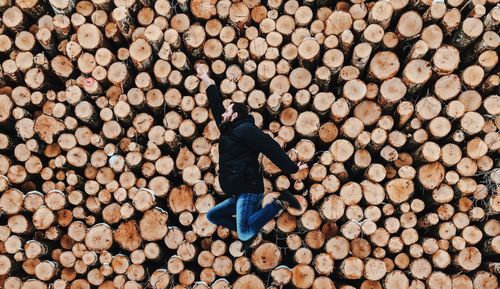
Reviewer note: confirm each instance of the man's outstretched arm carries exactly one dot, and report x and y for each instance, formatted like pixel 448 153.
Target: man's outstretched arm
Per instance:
pixel 261 142
pixel 215 101
pixel 213 94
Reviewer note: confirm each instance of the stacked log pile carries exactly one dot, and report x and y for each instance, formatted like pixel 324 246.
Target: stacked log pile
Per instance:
pixel 108 149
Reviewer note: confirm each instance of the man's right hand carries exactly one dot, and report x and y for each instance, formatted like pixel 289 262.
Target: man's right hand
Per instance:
pixel 202 73
pixel 202 70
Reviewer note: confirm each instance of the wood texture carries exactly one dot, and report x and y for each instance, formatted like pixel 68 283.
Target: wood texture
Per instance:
pixel 109 151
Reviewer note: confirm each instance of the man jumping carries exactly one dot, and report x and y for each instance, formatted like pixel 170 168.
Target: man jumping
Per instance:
pixel 240 144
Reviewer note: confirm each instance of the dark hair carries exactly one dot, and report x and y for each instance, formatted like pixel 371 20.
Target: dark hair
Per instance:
pixel 241 108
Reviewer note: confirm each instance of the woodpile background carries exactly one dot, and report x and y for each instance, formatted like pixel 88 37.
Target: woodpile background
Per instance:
pixel 108 151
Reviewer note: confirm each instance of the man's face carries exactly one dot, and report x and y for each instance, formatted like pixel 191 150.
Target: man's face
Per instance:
pixel 229 115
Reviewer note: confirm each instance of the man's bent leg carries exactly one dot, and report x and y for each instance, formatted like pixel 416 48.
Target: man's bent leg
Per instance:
pixel 222 214
pixel 250 217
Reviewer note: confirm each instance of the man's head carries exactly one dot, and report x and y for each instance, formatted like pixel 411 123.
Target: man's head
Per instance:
pixel 234 111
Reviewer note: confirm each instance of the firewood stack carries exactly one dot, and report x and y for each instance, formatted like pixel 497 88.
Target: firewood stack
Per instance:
pixel 108 149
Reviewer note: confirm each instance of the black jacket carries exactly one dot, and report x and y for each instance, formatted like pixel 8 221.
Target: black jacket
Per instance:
pixel 240 143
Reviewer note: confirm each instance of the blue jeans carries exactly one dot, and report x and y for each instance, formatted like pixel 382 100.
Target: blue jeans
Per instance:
pixel 250 216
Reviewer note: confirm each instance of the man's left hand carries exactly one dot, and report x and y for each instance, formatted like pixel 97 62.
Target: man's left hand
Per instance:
pixel 302 165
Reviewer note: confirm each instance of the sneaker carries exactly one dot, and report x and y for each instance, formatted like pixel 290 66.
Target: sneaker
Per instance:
pixel 282 207
pixel 288 199
pixel 248 245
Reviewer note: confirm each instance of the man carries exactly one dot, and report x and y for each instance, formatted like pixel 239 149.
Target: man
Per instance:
pixel 240 143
